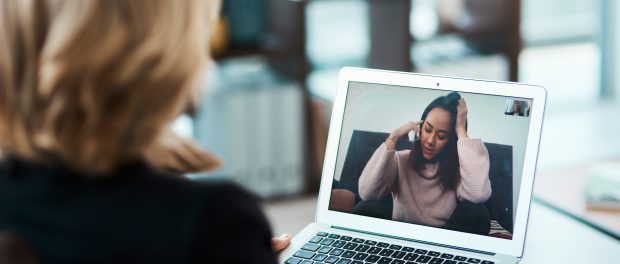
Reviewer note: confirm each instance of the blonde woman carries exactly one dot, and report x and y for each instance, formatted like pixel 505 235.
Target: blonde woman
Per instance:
pixel 87 91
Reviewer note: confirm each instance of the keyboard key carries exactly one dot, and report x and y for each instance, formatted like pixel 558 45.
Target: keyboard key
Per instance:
pixel 398 254
pixel 421 251
pixel 327 242
pixel 423 259
pixel 362 248
pixel 449 261
pixel 322 234
pixel 357 262
pixel 348 254
pixel 460 258
pixel 408 249
pixel 325 249
pixel 436 261
pixel 334 236
pixel 304 254
pixel 339 244
pixel 372 259
pixel 336 252
pixel 293 261
pixel 395 247
pixel 320 257
pixel 447 256
pixel 311 247
pixel 433 253
pixel 316 239
pixel 374 250
pixel 398 261
pixel 343 261
pixel 331 259
pixel 307 262
pixel 411 257
pixel 358 240
pixel 487 262
pixel 473 260
pixel 381 244
pixel 384 260
pixel 350 246
pixel 370 242
pixel 386 252
pixel 360 256
pixel 346 238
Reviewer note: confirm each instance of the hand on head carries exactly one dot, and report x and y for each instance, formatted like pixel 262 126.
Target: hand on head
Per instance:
pixel 402 131
pixel 406 128
pixel 461 119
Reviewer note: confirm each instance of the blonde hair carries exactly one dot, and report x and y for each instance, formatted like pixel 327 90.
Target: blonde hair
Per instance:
pixel 95 82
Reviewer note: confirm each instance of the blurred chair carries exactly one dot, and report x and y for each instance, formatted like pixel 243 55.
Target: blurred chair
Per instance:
pixel 15 250
pixel 345 194
pixel 487 27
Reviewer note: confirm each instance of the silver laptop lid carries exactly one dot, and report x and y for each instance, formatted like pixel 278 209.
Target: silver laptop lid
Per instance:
pixel 434 179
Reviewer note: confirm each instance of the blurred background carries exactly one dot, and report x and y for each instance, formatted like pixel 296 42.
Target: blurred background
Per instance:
pixel 267 106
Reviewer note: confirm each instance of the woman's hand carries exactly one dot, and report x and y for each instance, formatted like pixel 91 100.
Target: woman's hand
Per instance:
pixel 402 131
pixel 461 119
pixel 280 243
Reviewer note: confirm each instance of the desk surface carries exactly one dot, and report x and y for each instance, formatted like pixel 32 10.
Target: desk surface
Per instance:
pixel 554 238
pixel 564 189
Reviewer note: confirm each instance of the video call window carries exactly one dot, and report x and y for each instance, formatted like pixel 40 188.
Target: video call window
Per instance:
pixel 436 158
pixel 516 107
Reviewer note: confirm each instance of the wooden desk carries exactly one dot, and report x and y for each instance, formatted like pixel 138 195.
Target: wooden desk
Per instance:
pixel 563 189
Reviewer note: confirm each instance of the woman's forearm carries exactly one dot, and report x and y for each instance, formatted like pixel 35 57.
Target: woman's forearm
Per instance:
pixel 390 142
pixel 474 168
pixel 378 175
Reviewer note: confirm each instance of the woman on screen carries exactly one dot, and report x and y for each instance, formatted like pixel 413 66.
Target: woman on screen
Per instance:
pixel 443 169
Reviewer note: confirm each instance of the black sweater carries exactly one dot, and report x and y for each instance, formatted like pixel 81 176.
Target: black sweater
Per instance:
pixel 136 215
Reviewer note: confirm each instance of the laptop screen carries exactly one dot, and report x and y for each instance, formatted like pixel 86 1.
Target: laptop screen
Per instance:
pixel 442 159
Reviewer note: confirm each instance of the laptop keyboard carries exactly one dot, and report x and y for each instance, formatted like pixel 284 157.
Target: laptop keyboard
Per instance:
pixel 337 249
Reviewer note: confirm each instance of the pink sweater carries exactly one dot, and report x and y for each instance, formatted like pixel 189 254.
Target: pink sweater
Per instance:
pixel 418 197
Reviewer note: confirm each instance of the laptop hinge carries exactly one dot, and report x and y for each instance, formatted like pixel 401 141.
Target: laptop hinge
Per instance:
pixel 502 258
pixel 417 241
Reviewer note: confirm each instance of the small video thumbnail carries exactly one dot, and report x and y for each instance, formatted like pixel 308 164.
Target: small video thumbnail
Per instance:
pixel 516 107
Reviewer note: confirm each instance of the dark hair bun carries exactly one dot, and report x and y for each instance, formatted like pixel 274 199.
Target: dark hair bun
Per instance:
pixel 453 97
pixel 452 100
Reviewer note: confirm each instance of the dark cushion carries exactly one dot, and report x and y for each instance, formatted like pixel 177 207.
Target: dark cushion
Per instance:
pixel 364 143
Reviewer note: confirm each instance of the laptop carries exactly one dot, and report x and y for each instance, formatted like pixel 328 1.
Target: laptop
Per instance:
pixel 406 180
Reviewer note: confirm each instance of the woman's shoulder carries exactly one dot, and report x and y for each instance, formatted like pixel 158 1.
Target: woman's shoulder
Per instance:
pixel 230 219
pixel 214 195
pixel 224 191
pixel 224 217
pixel 210 218
pixel 211 192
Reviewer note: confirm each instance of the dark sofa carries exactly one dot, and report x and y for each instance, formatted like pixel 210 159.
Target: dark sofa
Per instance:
pixel 363 144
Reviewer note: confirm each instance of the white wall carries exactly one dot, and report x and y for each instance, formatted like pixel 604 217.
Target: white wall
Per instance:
pixel 383 108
